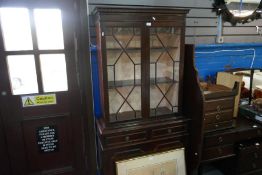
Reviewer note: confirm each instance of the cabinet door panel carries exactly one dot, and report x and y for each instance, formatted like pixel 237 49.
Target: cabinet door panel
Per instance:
pixel 123 50
pixel 164 70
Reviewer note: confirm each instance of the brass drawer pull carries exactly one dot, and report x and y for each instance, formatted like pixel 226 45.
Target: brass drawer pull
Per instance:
pixel 255 155
pixel 220 139
pixel 218 117
pixel 127 138
pixel 220 151
pixel 254 166
pixel 219 108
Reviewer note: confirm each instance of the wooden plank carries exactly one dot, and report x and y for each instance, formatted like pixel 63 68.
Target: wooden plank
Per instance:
pixel 239 31
pixel 201 31
pixel 201 22
pixel 201 40
pixel 241 39
pixel 253 23
pixel 228 80
pixel 193 13
pixel 203 13
pixel 177 3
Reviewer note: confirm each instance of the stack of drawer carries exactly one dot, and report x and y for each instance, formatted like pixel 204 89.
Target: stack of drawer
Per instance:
pixel 218 145
pixel 249 160
pixel 218 109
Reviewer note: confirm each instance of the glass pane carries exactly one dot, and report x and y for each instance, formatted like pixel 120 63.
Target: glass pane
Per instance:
pixel 16 29
pixel 53 68
pixel 164 70
pixel 22 74
pixel 49 29
pixel 124 72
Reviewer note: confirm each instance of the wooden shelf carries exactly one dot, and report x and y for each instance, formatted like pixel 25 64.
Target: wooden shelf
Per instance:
pixel 123 83
pixel 138 48
pixel 130 115
pixel 160 111
pixel 123 116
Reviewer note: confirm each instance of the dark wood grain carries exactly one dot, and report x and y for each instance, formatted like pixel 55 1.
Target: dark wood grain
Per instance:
pixel 20 124
pixel 143 135
pixel 194 108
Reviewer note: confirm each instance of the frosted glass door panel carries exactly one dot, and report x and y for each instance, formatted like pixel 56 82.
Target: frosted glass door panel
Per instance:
pixel 22 74
pixel 53 68
pixel 49 29
pixel 16 29
pixel 164 70
pixel 124 72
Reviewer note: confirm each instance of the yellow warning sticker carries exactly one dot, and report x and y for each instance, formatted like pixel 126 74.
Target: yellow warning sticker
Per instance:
pixel 38 100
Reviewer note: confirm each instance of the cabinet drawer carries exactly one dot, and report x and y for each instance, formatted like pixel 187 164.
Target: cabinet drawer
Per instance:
pixel 218 126
pixel 227 138
pixel 219 104
pixel 247 165
pixel 126 138
pixel 255 156
pixel 216 117
pixel 252 151
pixel 252 133
pixel 218 152
pixel 169 131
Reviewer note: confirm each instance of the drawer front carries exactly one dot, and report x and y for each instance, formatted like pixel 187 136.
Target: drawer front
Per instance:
pixel 126 138
pixel 218 152
pixel 247 165
pixel 218 126
pixel 251 152
pixel 255 156
pixel 252 133
pixel 216 117
pixel 227 138
pixel 250 148
pixel 219 104
pixel 169 131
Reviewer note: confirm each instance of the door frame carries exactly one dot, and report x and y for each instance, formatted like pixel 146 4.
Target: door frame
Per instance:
pixel 4 158
pixel 86 158
pixel 85 70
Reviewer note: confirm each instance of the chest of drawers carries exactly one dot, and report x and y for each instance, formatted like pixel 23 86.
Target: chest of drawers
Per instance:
pixel 249 157
pixel 236 143
pixel 218 107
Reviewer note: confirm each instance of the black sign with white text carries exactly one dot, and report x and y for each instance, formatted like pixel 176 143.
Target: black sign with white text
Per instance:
pixel 47 139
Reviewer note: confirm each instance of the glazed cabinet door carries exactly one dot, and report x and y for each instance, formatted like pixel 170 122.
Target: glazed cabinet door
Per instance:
pixel 122 60
pixel 165 69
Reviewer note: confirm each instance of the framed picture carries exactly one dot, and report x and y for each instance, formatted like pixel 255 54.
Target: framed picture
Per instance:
pixel 165 163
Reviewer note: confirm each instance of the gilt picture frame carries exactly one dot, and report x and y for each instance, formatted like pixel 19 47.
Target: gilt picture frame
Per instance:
pixel 165 163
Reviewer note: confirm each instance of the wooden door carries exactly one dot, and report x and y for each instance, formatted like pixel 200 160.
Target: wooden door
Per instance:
pixel 39 91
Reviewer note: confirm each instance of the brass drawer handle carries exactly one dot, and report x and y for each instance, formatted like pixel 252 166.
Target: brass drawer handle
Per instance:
pixel 254 166
pixel 127 138
pixel 220 151
pixel 255 155
pixel 220 139
pixel 219 108
pixel 218 117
